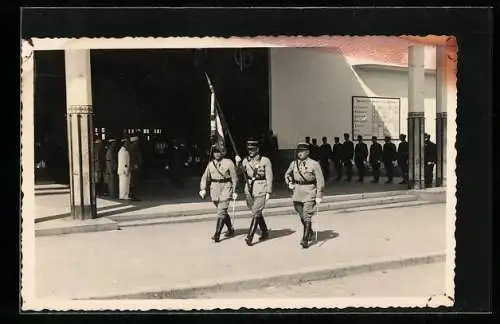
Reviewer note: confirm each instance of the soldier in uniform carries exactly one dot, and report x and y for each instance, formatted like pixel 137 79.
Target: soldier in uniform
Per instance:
pixel 135 166
pixel 123 170
pixel 347 156
pixel 403 156
pixel 430 159
pixel 220 175
pixel 375 157
pixel 337 157
pixel 389 156
pixel 360 156
pixel 326 155
pixel 258 188
pixel 305 178
pixel 99 166
pixel 111 168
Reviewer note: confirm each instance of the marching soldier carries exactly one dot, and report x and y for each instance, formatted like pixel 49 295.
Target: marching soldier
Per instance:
pixel 375 157
pixel 220 175
pixel 123 170
pixel 430 159
pixel 258 189
pixel 111 168
pixel 389 157
pixel 305 178
pixel 348 155
pixel 360 156
pixel 403 156
pixel 337 157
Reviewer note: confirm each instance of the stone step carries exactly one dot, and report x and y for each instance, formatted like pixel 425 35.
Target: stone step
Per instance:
pixel 207 208
pixel 382 202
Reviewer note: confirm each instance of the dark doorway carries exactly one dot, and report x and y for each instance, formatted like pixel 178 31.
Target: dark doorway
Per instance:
pixel 162 93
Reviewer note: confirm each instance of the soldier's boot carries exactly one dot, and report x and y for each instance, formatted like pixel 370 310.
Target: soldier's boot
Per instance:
pixel 251 231
pixel 310 234
pixel 230 229
pixel 263 229
pixel 218 230
pixel 306 236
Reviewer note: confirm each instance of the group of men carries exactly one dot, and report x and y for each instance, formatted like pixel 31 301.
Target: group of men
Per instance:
pixel 117 168
pixel 346 155
pixel 303 177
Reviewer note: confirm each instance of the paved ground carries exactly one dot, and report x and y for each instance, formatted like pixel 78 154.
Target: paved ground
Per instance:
pixel 164 257
pixel 417 281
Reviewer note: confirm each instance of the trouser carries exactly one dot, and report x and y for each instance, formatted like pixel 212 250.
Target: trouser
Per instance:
pixel 112 184
pixel 403 166
pixel 338 169
pixel 348 167
pixel 134 179
pixel 124 184
pixel 428 174
pixel 305 210
pixel 360 165
pixel 389 169
pixel 376 170
pixel 325 167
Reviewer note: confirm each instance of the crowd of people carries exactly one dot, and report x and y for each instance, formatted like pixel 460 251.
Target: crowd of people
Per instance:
pixel 346 155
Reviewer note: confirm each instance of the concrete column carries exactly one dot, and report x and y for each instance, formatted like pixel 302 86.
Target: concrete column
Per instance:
pixel 80 130
pixel 416 116
pixel 441 110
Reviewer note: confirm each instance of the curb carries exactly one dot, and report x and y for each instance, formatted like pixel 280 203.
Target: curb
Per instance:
pixel 70 226
pixel 284 278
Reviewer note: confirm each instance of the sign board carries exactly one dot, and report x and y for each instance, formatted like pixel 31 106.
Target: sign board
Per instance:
pixel 376 116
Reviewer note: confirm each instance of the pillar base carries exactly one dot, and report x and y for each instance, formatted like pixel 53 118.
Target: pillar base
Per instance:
pixel 416 130
pixel 441 120
pixel 84 212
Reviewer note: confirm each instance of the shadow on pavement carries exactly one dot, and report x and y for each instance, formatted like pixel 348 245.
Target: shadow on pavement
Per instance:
pixel 323 237
pixel 274 234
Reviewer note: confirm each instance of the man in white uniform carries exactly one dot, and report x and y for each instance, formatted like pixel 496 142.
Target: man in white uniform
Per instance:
pixel 124 170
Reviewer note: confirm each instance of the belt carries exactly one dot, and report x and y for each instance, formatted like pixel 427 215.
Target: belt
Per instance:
pixel 257 179
pixel 221 180
pixel 305 182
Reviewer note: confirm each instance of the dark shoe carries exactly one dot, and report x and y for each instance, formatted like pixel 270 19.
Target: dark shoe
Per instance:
pixel 218 229
pixel 263 228
pixel 306 236
pixel 360 180
pixel 374 181
pixel 251 232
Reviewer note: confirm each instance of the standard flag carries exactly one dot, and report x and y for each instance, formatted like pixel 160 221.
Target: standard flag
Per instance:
pixel 216 128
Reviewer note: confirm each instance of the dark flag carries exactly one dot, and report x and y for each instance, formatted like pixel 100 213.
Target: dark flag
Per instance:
pixel 216 127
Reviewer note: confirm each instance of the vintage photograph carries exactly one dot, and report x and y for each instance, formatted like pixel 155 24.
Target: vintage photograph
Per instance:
pixel 258 172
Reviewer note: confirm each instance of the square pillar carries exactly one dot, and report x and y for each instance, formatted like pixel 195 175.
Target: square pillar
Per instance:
pixel 80 133
pixel 416 117
pixel 441 111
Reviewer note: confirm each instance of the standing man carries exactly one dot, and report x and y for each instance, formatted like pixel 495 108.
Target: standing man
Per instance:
pixel 430 159
pixel 112 168
pixel 360 156
pixel 305 178
pixel 220 175
pixel 315 151
pixel 348 156
pixel 337 157
pixel 389 157
pixel 403 156
pixel 99 166
pixel 123 170
pixel 325 156
pixel 135 166
pixel 375 157
pixel 258 188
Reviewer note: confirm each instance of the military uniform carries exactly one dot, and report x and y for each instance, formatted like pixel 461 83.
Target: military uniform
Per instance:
pixel 337 158
pixel 99 167
pixel 374 159
pixel 430 159
pixel 347 157
pixel 306 180
pixel 360 156
pixel 135 165
pixel 403 156
pixel 259 184
pixel 221 176
pixel 123 171
pixel 389 155
pixel 111 169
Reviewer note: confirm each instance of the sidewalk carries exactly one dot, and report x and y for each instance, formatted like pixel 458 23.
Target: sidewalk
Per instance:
pixel 165 257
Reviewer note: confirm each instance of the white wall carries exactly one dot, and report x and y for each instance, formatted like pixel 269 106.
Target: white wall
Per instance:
pixel 311 94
